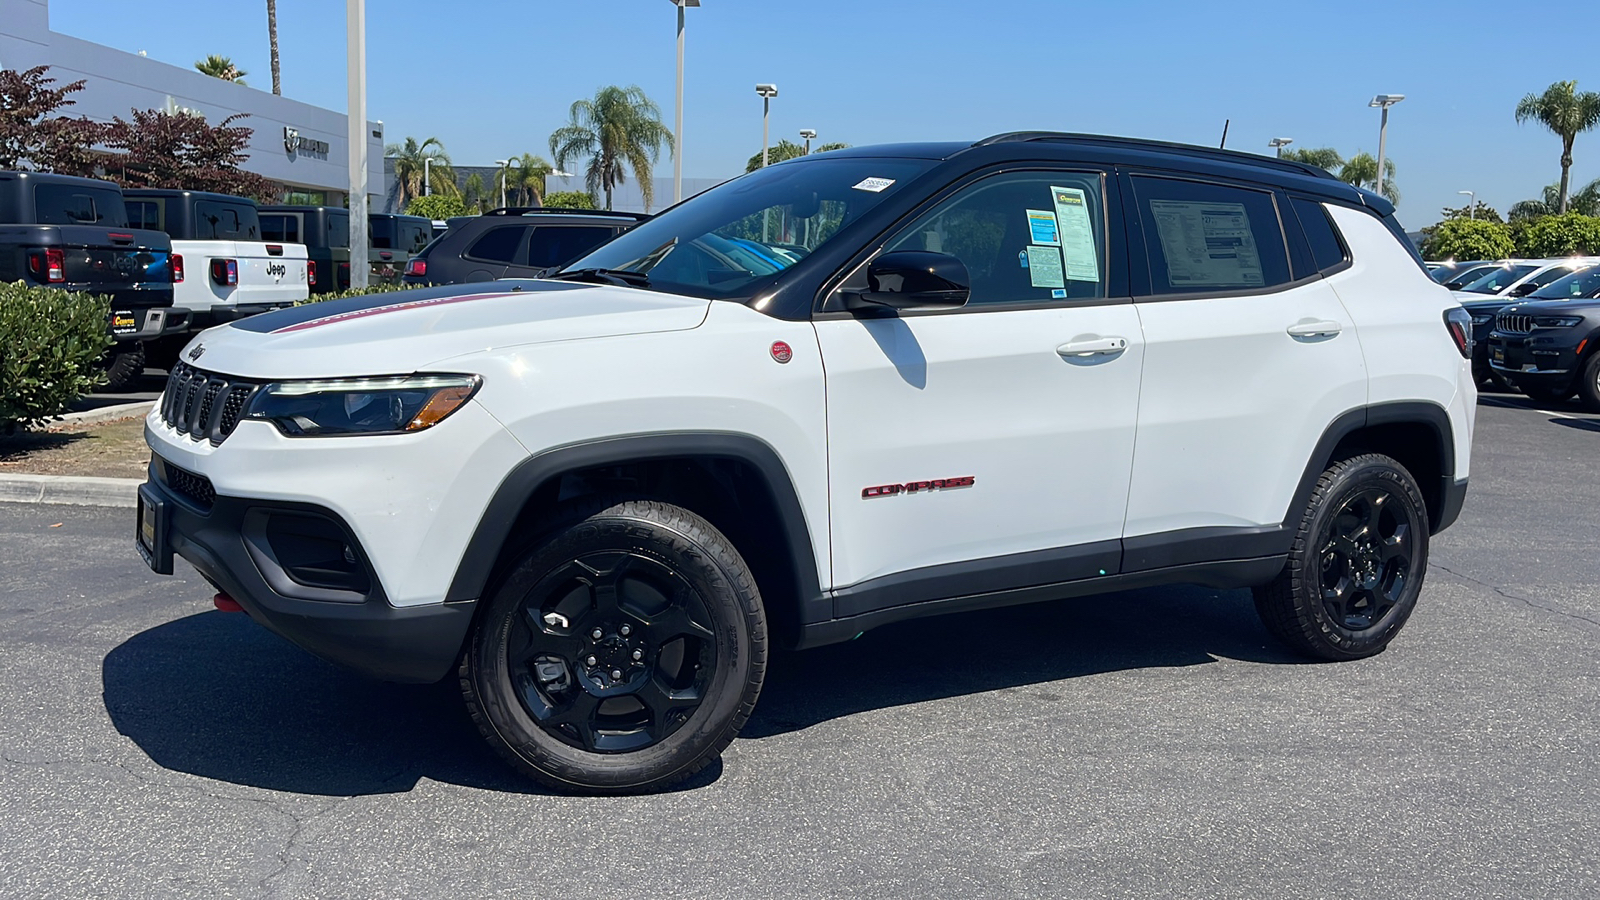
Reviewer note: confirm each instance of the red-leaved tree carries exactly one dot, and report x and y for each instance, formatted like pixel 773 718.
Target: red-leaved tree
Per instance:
pixel 32 137
pixel 158 149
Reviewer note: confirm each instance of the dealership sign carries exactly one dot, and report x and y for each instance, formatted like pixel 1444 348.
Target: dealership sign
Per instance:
pixel 296 143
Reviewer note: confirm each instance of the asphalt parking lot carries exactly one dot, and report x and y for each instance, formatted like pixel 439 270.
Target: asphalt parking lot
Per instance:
pixel 1152 743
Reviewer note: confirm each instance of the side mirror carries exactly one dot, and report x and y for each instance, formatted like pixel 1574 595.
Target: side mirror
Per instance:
pixel 1524 289
pixel 914 279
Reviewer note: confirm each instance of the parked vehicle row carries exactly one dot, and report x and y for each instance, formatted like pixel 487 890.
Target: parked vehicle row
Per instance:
pixel 1547 344
pixel 1485 288
pixel 515 242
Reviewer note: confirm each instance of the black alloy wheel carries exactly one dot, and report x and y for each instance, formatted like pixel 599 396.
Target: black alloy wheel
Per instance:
pixel 621 652
pixel 1589 384
pixel 610 652
pixel 1357 563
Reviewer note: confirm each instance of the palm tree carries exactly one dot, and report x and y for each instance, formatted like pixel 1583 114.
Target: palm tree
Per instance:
pixel 473 193
pixel 619 129
pixel 272 40
pixel 525 180
pixel 1567 114
pixel 1585 200
pixel 221 67
pixel 1362 170
pixel 409 167
pixel 1321 157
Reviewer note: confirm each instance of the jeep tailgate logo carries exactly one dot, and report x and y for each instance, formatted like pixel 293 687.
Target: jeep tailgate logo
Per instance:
pixel 277 270
pixel 916 487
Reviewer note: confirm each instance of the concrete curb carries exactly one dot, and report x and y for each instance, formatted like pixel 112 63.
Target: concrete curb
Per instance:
pixel 71 490
pixel 100 416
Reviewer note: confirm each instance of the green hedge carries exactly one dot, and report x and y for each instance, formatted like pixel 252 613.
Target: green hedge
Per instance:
pixel 51 342
pixel 355 292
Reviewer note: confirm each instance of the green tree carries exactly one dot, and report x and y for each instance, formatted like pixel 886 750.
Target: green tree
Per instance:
pixel 436 206
pixel 1321 157
pixel 220 67
pixel 1362 170
pixel 272 44
pixel 619 129
pixel 474 193
pixel 525 181
pixel 1481 211
pixel 1468 239
pixel 32 137
pixel 1566 113
pixel 1566 234
pixel 569 200
pixel 410 160
pixel 1586 200
pixel 787 149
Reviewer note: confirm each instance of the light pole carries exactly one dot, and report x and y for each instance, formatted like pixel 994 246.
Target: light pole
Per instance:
pixel 1472 204
pixel 1280 143
pixel 504 165
pixel 677 124
pixel 1383 102
pixel 356 133
pixel 808 134
pixel 766 92
pixel 427 185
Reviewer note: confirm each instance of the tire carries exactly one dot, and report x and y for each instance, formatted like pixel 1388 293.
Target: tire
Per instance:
pixel 1342 596
pixel 1589 385
pixel 124 365
pixel 1547 394
pixel 679 619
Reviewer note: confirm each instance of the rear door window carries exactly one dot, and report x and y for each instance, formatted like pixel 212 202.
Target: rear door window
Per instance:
pixel 144 214
pixel 415 236
pixel 1208 238
pixel 552 245
pixel 498 245
pixel 280 227
pixel 218 221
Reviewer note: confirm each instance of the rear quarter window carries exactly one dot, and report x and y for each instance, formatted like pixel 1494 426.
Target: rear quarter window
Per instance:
pixel 1322 236
pixel 67 204
pixel 280 227
pixel 218 221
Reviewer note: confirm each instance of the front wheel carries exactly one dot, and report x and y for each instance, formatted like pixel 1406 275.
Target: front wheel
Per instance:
pixel 1589 384
pixel 622 654
pixel 1357 563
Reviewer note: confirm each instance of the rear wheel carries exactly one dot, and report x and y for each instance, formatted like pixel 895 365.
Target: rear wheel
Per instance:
pixel 621 654
pixel 124 365
pixel 1357 563
pixel 1589 384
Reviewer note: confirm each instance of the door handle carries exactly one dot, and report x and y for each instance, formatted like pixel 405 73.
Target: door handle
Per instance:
pixel 1098 347
pixel 1324 328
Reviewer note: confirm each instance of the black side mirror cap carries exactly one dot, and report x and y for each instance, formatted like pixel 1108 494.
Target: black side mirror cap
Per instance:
pixel 913 279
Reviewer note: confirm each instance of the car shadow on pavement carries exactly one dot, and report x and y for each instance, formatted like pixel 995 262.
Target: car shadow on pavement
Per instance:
pixel 217 696
pixel 1036 645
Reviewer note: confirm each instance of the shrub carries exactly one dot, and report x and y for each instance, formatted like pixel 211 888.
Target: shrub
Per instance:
pixel 569 200
pixel 1563 235
pixel 1468 239
pixel 355 292
pixel 436 206
pixel 51 342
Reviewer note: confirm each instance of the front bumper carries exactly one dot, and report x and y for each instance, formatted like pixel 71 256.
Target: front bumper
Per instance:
pixel 256 552
pixel 1539 360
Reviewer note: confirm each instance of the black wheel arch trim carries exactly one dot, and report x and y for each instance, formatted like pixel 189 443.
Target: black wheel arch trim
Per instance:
pixel 1403 412
pixel 518 487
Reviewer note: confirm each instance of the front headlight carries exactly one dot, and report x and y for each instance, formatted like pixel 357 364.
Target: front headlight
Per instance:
pixel 1482 318
pixel 390 404
pixel 1557 321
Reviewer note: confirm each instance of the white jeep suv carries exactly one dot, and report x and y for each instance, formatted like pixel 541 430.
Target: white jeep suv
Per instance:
pixel 842 391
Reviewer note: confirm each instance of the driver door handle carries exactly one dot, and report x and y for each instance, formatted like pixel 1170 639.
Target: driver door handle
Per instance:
pixel 1324 328
pixel 1097 347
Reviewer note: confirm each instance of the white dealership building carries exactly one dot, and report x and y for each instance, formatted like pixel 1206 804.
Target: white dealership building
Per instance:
pixel 300 146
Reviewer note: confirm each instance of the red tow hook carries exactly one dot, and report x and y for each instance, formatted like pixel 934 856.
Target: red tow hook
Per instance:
pixel 226 603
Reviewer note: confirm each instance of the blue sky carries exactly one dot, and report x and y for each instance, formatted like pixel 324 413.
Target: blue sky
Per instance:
pixel 495 77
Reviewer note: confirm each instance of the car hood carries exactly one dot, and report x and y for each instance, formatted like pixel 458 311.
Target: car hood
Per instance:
pixel 403 331
pixel 1579 305
pixel 1474 301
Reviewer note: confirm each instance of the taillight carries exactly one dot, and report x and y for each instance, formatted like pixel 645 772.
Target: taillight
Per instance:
pixel 311 272
pixel 417 266
pixel 344 275
pixel 55 265
pixel 225 271
pixel 1458 322
pixel 177 268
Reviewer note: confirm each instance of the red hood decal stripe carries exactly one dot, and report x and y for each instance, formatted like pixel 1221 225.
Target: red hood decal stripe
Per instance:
pixel 387 308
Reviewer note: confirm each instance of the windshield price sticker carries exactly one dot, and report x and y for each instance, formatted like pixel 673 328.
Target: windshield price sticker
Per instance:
pixel 875 185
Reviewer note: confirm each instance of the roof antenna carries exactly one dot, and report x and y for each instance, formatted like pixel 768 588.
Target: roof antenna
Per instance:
pixel 1224 144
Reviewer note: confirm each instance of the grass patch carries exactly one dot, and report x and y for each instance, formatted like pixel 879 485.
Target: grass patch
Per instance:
pixel 112 450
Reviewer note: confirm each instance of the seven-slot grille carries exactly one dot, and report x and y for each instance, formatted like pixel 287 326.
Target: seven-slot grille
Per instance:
pixel 204 405
pixel 1514 323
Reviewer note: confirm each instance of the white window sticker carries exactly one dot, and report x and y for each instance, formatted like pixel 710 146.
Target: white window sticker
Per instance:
pixel 1042 227
pixel 874 185
pixel 1077 234
pixel 1207 244
pixel 1044 267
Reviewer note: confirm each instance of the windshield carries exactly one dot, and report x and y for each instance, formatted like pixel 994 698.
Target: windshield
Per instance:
pixel 1583 284
pixel 1469 275
pixel 728 242
pixel 1499 279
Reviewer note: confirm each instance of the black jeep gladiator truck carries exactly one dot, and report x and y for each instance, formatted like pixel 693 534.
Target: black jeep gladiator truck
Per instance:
pixel 72 233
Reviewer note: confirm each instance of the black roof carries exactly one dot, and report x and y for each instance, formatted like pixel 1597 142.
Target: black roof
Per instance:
pixel 175 192
pixel 53 178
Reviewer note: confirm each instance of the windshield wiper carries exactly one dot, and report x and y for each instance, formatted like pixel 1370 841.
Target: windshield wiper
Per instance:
pixel 604 276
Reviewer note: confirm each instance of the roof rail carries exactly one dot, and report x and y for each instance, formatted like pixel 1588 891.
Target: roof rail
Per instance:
pixel 523 210
pixel 1236 156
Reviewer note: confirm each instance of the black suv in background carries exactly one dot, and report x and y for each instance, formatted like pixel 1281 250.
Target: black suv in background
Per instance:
pixel 1545 344
pixel 515 242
